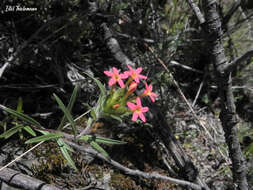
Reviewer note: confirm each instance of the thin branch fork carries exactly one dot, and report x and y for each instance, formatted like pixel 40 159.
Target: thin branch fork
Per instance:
pixel 228 67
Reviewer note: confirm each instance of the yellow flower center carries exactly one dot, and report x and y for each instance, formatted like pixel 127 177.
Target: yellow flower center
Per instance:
pixel 117 77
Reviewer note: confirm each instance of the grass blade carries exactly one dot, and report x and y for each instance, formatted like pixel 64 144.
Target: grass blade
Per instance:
pixel 21 116
pixel 30 131
pixel 108 141
pixel 67 114
pixel 61 143
pixel 66 155
pixel 99 149
pixel 11 131
pixel 69 107
pixel 50 136
pixel 102 140
pixel 100 85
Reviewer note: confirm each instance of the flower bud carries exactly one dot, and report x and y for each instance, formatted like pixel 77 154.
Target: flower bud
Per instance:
pixel 132 87
pixel 115 106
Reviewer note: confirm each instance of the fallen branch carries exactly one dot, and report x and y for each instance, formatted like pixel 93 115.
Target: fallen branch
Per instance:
pixel 17 179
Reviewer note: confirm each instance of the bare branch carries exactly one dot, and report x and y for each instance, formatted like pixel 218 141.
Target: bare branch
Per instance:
pixel 238 60
pixel 185 67
pixel 197 12
pixel 231 12
pixel 114 47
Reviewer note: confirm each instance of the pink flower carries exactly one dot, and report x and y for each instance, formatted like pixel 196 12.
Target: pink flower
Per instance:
pixel 148 92
pixel 137 110
pixel 116 77
pixel 135 74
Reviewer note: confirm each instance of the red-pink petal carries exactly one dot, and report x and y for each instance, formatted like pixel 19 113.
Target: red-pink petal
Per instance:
pixel 135 116
pixel 130 68
pixel 108 73
pixel 138 101
pixel 150 87
pixel 146 85
pixel 115 71
pixel 154 94
pixel 112 81
pixel 152 98
pixel 138 70
pixel 124 75
pixel 136 79
pixel 131 106
pixel 142 77
pixel 121 84
pixel 142 117
pixel 144 109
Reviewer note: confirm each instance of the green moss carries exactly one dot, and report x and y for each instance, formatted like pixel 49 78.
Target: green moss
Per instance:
pixel 51 162
pixel 120 181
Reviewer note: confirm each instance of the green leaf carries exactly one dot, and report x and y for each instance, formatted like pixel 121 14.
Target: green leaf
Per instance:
pixel 108 141
pixel 67 114
pixel 115 117
pixel 44 132
pixel 11 131
pixel 61 143
pixel 102 95
pixel 66 155
pixel 30 131
pixel 99 149
pixel 102 140
pixel 93 114
pixel 69 107
pixel 21 116
pixel 100 85
pixel 86 138
pixel 20 105
pixel 50 136
pixel 250 148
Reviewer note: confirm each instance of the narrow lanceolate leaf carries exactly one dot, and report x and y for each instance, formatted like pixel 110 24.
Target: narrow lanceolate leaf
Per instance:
pixel 100 85
pixel 20 105
pixel 67 114
pixel 66 155
pixel 11 131
pixel 93 114
pixel 102 95
pixel 50 136
pixel 102 140
pixel 91 140
pixel 30 130
pixel 69 107
pixel 21 116
pixel 116 118
pixel 86 138
pixel 61 143
pixel 99 149
pixel 108 141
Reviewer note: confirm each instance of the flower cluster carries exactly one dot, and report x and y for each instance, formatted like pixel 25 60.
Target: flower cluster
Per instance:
pixel 120 98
